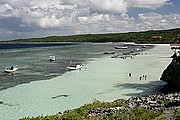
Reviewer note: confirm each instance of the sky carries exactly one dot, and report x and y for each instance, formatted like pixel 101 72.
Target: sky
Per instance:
pixel 20 19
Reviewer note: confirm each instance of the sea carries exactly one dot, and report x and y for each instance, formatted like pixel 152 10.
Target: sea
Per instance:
pixel 44 87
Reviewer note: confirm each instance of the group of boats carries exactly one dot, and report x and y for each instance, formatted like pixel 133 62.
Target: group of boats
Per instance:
pixel 125 54
pixel 76 66
pixel 72 66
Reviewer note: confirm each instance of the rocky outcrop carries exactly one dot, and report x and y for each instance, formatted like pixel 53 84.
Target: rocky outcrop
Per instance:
pixel 171 74
pixel 160 102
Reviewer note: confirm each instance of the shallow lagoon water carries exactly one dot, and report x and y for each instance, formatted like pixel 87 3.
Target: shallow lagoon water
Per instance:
pixel 105 79
pixel 34 61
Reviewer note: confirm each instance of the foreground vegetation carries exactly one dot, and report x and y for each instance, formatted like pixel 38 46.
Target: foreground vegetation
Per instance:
pixel 82 113
pixel 164 36
pixel 151 107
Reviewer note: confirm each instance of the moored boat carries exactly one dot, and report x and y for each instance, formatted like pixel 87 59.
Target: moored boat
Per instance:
pixel 123 47
pixel 52 58
pixel 12 68
pixel 74 66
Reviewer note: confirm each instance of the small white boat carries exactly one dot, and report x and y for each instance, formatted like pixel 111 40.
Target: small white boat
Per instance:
pixel 74 66
pixel 123 47
pixel 11 69
pixel 144 46
pixel 52 58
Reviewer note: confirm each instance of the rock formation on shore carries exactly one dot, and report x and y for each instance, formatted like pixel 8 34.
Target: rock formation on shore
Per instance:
pixel 171 74
pixel 161 102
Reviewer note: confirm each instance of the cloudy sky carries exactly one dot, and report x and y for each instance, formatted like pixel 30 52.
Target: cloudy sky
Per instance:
pixel 41 18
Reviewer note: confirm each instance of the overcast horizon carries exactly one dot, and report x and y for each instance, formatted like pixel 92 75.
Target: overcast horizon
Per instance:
pixel 20 19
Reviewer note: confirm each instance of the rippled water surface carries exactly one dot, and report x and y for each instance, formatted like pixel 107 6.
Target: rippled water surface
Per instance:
pixel 53 89
pixel 34 64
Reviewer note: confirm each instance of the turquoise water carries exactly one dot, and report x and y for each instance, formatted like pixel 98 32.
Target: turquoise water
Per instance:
pixel 105 79
pixel 34 61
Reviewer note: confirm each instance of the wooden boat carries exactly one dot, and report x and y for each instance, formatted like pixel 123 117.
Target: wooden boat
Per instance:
pixel 11 69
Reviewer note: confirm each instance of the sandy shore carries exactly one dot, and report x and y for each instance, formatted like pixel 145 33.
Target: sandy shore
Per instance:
pixel 105 79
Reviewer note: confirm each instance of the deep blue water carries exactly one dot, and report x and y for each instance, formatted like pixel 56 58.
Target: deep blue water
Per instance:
pixel 34 64
pixel 31 45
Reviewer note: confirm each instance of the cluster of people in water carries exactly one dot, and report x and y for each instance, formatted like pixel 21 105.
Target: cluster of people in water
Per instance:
pixel 142 77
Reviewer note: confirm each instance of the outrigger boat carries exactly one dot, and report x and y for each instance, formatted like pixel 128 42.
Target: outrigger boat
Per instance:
pixel 11 69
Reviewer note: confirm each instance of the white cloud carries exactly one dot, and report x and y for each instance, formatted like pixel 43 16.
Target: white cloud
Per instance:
pixel 5 10
pixel 79 3
pixel 109 6
pixel 49 21
pixel 150 4
pixel 35 18
pixel 93 19
pixel 158 21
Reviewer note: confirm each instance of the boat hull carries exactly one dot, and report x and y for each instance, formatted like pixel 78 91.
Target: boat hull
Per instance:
pixel 76 67
pixel 10 71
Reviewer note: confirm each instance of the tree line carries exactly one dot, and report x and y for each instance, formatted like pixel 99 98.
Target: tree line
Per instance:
pixel 151 36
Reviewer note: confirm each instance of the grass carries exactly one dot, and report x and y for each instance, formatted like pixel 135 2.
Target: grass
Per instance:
pixel 82 113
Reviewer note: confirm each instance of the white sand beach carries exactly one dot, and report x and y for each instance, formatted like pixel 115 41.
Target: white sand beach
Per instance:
pixel 105 79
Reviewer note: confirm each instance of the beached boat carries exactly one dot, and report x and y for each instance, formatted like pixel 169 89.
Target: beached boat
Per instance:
pixel 11 69
pixel 123 47
pixel 127 53
pixel 109 52
pixel 74 66
pixel 115 56
pixel 144 46
pixel 52 58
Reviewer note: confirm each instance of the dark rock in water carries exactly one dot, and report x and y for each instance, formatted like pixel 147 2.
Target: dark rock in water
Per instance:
pixel 171 75
pixel 1 102
pixel 59 96
pixel 169 88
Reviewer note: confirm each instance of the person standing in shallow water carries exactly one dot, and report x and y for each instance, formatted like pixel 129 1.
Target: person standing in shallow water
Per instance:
pixel 130 74
pixel 85 68
pixel 145 77
pixel 140 78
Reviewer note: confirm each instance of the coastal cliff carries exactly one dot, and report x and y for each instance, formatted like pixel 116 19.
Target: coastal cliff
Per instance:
pixel 171 74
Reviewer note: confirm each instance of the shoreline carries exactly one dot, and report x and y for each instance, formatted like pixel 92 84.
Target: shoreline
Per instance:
pixel 163 106
pixel 106 79
pixel 100 55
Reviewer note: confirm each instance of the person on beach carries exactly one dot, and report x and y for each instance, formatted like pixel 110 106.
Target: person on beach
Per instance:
pixel 145 77
pixel 85 68
pixel 140 78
